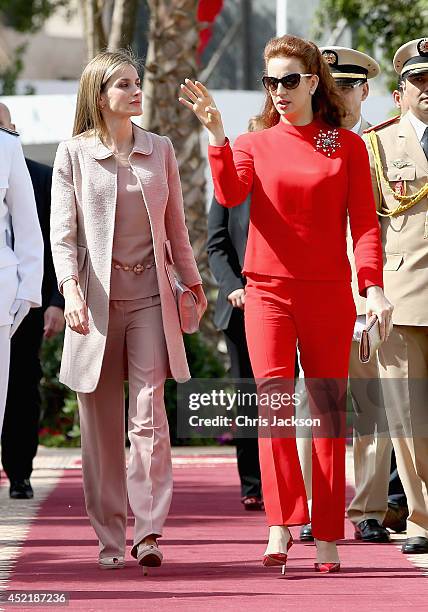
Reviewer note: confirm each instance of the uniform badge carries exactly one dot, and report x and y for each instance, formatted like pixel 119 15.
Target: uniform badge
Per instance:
pixel 422 47
pixel 330 57
pixel 327 141
pixel 400 163
pixel 400 188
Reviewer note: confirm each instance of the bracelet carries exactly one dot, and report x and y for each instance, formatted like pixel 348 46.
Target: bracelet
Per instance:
pixel 67 278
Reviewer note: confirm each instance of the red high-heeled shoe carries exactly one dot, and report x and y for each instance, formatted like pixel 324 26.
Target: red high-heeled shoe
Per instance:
pixel 276 559
pixel 327 568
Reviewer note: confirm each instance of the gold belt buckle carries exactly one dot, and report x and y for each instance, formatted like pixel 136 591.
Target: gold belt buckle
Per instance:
pixel 137 269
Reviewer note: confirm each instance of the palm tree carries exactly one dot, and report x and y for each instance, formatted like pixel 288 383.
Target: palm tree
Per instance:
pixel 171 57
pixel 108 24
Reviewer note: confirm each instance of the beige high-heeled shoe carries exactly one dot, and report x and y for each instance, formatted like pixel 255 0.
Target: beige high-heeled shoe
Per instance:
pixel 149 555
pixel 111 562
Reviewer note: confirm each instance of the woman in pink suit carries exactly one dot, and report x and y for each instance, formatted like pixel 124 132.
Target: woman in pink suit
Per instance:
pixel 118 235
pixel 306 176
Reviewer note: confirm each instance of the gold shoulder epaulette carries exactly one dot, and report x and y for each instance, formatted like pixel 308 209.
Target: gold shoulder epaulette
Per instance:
pixel 382 125
pixel 404 202
pixel 9 131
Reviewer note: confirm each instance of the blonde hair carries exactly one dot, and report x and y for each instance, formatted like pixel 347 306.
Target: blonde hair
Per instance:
pixel 88 117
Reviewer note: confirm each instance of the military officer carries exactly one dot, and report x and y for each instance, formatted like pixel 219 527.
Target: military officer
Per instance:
pixel 398 152
pixel 19 438
pixel 351 71
pixel 21 249
pixel 397 512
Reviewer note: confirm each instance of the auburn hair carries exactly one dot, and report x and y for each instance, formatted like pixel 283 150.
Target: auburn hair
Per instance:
pixel 327 103
pixel 88 117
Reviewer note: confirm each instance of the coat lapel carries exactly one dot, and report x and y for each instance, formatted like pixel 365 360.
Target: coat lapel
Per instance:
pixel 412 146
pixel 96 148
pixel 151 175
pixel 101 179
pixel 142 144
pixel 142 141
pixel 364 126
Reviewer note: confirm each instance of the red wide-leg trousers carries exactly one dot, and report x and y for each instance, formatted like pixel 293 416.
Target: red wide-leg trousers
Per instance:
pixel 320 316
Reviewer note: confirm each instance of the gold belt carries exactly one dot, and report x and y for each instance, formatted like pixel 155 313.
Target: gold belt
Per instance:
pixel 137 269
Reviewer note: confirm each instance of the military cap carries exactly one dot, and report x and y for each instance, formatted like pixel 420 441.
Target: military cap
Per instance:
pixel 412 58
pixel 348 66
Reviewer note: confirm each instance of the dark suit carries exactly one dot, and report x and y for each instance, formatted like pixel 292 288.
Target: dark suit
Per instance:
pixel 20 431
pixel 227 240
pixel 396 492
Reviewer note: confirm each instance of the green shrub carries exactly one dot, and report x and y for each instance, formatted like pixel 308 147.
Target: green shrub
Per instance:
pixel 60 421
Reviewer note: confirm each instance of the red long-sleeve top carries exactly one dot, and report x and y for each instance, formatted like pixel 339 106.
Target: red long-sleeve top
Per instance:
pixel 301 198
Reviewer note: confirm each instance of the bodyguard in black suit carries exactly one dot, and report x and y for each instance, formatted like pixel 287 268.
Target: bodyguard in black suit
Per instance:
pixel 19 439
pixel 227 240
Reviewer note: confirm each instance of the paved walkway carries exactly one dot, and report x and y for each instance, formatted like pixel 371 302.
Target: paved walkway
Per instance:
pixel 212 550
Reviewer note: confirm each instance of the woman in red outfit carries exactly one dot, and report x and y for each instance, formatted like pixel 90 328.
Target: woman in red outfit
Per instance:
pixel 306 175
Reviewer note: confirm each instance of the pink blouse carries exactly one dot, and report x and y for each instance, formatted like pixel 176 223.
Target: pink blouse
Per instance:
pixel 132 242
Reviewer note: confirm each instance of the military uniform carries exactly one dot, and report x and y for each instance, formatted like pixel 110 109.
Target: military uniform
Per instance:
pixel 372 454
pixel 399 168
pixel 21 249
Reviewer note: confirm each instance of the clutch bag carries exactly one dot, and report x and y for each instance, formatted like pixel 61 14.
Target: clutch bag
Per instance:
pixel 370 340
pixel 186 306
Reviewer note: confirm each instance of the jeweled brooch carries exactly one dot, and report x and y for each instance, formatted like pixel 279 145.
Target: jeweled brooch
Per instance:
pixel 327 141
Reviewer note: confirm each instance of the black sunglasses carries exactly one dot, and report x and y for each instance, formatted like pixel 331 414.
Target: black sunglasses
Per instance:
pixel 289 81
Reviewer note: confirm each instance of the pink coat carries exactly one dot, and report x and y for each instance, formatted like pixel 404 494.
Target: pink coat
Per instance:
pixel 82 226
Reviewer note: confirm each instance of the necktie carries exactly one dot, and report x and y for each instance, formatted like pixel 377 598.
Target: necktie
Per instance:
pixel 424 142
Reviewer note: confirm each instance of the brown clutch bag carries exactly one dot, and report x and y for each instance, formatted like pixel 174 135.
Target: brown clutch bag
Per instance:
pixel 186 306
pixel 370 340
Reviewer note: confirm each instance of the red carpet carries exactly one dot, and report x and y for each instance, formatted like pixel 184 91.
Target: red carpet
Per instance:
pixel 212 551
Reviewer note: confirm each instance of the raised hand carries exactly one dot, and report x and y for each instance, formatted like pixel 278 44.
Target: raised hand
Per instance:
pixel 201 103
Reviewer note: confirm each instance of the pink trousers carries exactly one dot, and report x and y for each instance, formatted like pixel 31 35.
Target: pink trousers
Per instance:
pixel 135 344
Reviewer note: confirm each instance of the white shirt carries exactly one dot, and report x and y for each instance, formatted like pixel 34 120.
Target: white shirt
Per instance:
pixel 357 126
pixel 18 216
pixel 418 125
